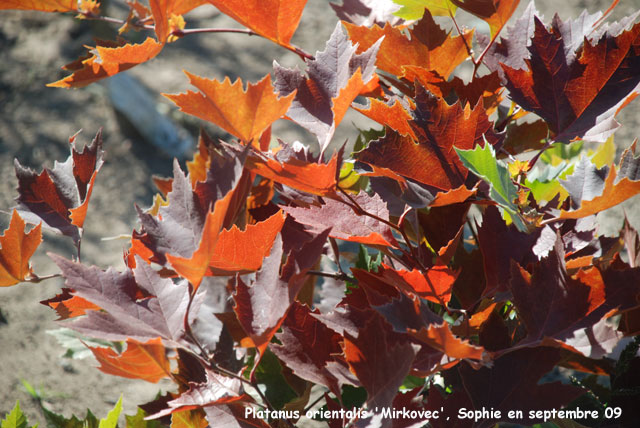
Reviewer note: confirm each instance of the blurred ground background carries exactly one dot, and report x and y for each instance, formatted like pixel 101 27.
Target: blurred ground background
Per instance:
pixel 36 121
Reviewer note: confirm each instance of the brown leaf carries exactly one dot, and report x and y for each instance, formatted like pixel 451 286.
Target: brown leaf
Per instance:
pixel 440 127
pixel 242 113
pixel 59 198
pixel 16 248
pixel 577 90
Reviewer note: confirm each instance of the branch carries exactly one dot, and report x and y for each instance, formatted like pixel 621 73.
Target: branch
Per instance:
pixel 34 279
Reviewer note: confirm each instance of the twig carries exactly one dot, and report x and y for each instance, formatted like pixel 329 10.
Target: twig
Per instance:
pixel 466 45
pixel 316 401
pixel 340 276
pixel 533 160
pixel 180 33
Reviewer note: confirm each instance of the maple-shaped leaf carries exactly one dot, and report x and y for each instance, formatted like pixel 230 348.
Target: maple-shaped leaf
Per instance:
pixel 275 20
pixel 562 304
pixel 69 306
pixel 511 49
pixel 308 346
pixel 146 361
pixel 262 305
pixel 427 47
pixel 483 163
pixel 379 359
pixel 345 223
pixel 311 177
pixel 336 77
pixel 179 227
pixel 242 113
pixel 217 390
pixel 496 13
pixel 367 12
pixel 497 388
pixel 103 62
pixel 125 314
pixel 59 197
pixel 16 248
pixel 578 93
pixel 441 128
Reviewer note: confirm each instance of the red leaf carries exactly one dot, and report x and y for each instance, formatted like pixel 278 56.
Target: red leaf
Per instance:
pixel 345 223
pixel 16 248
pixel 146 361
pixel 577 91
pixel 242 113
pixel 59 198
pixel 379 361
pixel 440 127
pixel 308 346
pixel 262 306
pixel 523 392
pixel 136 304
pixel 334 81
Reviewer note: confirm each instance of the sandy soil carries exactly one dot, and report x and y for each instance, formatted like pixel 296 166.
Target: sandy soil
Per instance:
pixel 35 123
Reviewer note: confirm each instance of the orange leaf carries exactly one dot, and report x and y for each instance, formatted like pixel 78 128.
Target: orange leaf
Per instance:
pixel 612 194
pixel 189 419
pixel 146 361
pixel 243 250
pixel 428 46
pixel 107 61
pixel 435 285
pixel 41 5
pixel 315 178
pixel 345 97
pixel 17 249
pixel 275 20
pixel 68 305
pixel 496 13
pixel 195 267
pixel 394 116
pixel 453 196
pixel 440 337
pixel 242 113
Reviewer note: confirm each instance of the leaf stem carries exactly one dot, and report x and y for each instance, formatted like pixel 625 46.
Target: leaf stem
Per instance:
pixel 33 278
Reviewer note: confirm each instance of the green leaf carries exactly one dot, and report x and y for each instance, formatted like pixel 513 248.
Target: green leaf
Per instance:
pixel 414 9
pixel 269 375
pixel 111 421
pixel 483 163
pixel 366 261
pixel 15 419
pixel 561 151
pixel 77 344
pixel 138 421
